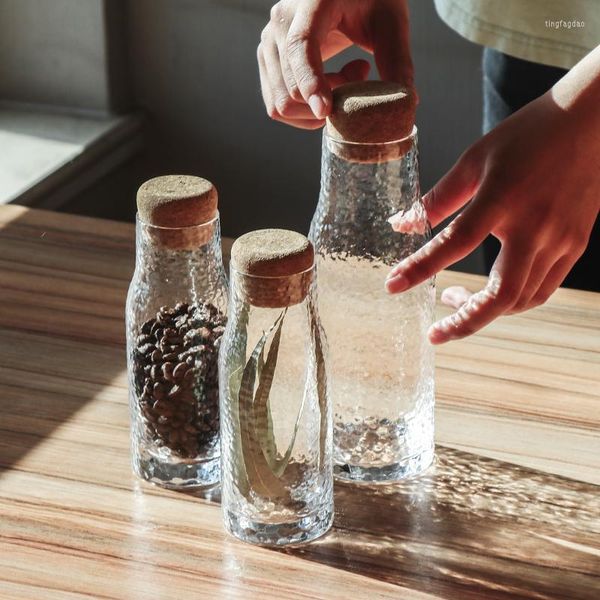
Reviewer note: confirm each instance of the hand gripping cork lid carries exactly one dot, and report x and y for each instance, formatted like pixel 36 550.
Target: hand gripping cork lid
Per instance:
pixel 276 267
pixel 372 120
pixel 181 208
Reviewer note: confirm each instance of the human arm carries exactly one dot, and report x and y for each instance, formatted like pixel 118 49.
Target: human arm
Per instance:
pixel 534 183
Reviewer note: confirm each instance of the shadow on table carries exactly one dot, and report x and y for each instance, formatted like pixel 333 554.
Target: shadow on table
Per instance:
pixel 63 282
pixel 471 527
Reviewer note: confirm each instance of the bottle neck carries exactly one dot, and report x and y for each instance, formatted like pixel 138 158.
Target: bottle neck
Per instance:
pixel 377 174
pixel 276 292
pixel 361 189
pixel 179 258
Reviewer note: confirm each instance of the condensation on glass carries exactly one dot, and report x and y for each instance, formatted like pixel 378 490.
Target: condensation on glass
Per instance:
pixel 381 363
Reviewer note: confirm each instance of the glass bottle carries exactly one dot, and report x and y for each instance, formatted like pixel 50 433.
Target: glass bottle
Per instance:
pixel 381 363
pixel 175 318
pixel 277 481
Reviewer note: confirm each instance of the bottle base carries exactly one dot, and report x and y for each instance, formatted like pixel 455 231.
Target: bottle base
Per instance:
pixel 179 475
pixel 290 533
pixel 405 469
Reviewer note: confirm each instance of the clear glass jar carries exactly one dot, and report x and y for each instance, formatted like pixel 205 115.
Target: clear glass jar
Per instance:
pixel 277 483
pixel 175 318
pixel 381 364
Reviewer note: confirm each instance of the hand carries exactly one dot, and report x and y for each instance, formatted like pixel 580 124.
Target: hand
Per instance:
pixel 535 185
pixel 302 34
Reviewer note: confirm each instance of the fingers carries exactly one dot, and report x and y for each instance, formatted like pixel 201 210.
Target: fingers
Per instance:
pixel 391 42
pixel 556 275
pixel 300 115
pixel 303 53
pixel 560 263
pixel 542 265
pixel 356 70
pixel 454 242
pixel 294 88
pixel 290 64
pixel 505 284
pixel 281 108
pixel 310 124
pixel 454 190
pixel 276 33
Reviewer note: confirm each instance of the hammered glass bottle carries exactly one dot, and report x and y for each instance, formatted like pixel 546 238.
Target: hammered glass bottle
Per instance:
pixel 175 318
pixel 381 364
pixel 275 419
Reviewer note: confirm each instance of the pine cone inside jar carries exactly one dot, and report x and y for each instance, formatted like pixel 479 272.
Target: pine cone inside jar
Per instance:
pixel 176 377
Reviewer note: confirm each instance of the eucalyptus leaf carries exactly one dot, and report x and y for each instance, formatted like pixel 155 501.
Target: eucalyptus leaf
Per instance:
pixel 260 475
pixel 321 381
pixel 262 419
pixel 235 380
pixel 236 359
pixel 280 465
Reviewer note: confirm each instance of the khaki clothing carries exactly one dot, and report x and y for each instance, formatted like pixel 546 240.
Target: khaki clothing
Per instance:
pixel 551 32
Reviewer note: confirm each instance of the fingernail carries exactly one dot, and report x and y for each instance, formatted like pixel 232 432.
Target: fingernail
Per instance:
pixel 318 106
pixel 396 284
pixel 436 334
pixel 394 272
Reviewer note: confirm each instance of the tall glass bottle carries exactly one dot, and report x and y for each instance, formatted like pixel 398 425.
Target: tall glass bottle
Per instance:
pixel 275 418
pixel 381 363
pixel 175 317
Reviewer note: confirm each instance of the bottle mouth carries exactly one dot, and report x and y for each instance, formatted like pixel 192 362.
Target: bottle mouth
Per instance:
pixel 197 226
pixel 370 152
pixel 272 291
pixel 251 276
pixel 389 143
pixel 188 238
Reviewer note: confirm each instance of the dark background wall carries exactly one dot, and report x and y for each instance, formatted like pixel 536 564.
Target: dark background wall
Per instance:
pixel 193 71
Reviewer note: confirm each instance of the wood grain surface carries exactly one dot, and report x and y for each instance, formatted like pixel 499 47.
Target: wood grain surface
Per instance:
pixel 511 508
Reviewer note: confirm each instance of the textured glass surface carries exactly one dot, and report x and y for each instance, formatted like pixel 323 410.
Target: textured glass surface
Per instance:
pixel 175 440
pixel 381 363
pixel 277 470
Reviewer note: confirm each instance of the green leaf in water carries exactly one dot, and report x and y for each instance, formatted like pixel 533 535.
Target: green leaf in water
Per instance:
pixel 259 450
pixel 262 419
pixel 321 381
pixel 280 465
pixel 260 475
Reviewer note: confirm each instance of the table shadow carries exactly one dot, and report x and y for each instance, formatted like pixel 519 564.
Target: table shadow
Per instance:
pixel 470 527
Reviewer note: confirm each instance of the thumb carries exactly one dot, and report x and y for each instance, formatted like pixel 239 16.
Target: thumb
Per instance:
pixel 391 44
pixel 356 70
pixel 309 27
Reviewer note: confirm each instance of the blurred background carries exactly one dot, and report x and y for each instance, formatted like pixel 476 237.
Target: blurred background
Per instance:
pixel 96 96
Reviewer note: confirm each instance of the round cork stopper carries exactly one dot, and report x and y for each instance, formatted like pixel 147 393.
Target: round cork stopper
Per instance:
pixel 376 114
pixel 275 266
pixel 177 201
pixel 181 205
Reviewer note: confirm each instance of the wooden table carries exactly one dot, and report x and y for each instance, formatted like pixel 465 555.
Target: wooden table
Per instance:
pixel 511 509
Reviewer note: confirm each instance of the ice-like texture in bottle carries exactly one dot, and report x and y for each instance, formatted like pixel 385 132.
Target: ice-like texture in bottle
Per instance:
pixel 381 364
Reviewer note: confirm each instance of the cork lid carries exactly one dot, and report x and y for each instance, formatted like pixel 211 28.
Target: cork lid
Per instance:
pixel 182 206
pixel 372 112
pixel 278 265
pixel 177 201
